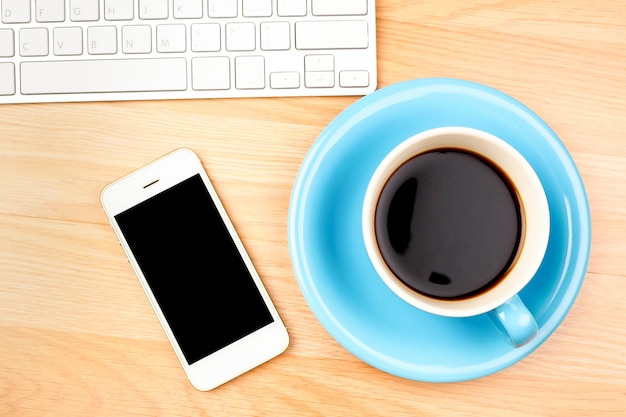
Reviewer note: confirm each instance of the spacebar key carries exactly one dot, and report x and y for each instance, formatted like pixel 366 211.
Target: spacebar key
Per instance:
pixel 104 76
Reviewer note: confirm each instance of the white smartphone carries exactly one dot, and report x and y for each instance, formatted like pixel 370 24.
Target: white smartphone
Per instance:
pixel 194 269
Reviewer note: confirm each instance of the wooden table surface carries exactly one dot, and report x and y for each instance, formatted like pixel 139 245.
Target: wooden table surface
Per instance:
pixel 78 337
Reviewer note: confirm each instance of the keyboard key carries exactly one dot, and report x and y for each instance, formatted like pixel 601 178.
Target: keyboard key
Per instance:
pixel 212 73
pixel 99 76
pixel 275 36
pixel 287 79
pixel 354 79
pixel 84 10
pixel 332 34
pixel 50 10
pixel 136 39
pixel 339 7
pixel 319 79
pixel 153 9
pixel 171 38
pixel 222 8
pixel 188 9
pixel 34 42
pixel 288 8
pixel 205 37
pixel 257 8
pixel 7 79
pixel 68 41
pixel 240 37
pixel 15 11
pixel 102 40
pixel 7 43
pixel 249 72
pixel 118 9
pixel 319 63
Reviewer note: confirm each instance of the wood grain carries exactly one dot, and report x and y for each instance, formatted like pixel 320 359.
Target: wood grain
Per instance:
pixel 78 337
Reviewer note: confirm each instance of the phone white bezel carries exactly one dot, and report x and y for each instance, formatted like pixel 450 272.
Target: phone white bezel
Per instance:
pixel 238 357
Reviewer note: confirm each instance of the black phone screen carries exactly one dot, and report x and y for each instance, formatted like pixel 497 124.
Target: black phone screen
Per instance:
pixel 194 269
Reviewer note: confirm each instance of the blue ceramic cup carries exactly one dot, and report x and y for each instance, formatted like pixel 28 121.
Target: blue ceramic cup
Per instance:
pixel 500 298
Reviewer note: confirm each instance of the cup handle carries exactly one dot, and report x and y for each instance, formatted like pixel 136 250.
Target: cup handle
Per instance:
pixel 515 321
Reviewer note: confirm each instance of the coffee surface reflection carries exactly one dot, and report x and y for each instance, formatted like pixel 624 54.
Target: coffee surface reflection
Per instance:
pixel 448 224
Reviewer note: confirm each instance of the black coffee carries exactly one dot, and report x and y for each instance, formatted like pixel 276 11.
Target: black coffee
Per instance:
pixel 448 224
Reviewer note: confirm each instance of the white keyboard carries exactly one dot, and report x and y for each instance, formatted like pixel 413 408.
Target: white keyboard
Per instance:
pixel 95 50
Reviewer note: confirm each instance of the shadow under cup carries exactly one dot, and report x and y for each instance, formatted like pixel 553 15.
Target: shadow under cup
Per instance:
pixel 456 223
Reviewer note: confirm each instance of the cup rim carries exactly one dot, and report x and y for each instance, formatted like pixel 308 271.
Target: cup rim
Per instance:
pixel 533 204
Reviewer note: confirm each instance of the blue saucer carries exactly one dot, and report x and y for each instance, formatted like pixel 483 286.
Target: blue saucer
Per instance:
pixel 329 257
